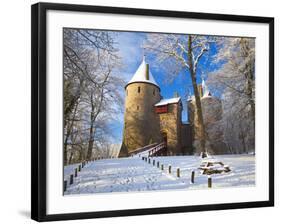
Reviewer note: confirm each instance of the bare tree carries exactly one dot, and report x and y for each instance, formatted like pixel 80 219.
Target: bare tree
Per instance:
pixel 235 79
pixel 90 73
pixel 102 97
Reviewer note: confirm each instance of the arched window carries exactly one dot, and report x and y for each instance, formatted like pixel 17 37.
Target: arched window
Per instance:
pixel 139 89
pixel 153 92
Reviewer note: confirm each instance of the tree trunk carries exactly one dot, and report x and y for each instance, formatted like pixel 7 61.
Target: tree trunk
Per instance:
pixel 198 111
pixel 91 138
pixel 70 158
pixel 80 158
pixel 91 142
pixel 242 138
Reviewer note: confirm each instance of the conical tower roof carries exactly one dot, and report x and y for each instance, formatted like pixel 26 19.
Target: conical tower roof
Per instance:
pixel 143 74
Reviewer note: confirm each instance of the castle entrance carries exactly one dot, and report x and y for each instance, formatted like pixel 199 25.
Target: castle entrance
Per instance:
pixel 164 140
pixel 164 137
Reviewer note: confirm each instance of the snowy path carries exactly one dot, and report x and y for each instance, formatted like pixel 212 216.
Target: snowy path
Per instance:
pixel 134 174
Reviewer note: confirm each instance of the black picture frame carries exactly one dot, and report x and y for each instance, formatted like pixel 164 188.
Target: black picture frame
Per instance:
pixel 39 107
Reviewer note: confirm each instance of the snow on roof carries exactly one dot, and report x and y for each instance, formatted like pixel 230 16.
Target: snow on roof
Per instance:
pixel 168 101
pixel 190 98
pixel 140 75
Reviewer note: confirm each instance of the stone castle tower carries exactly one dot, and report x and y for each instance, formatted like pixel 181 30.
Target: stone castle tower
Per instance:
pixel 149 119
pixel 212 114
pixel 141 126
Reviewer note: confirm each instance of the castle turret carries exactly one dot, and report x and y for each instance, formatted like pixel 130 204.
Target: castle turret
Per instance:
pixel 205 89
pixel 141 126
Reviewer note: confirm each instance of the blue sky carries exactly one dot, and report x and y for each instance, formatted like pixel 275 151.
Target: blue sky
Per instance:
pixel 131 52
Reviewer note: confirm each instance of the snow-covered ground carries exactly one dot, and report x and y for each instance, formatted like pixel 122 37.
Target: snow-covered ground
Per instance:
pixel 134 174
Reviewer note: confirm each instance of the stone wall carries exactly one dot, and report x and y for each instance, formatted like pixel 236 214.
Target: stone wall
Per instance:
pixel 170 123
pixel 186 139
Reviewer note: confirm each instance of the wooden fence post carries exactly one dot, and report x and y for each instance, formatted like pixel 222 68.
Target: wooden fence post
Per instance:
pixel 64 185
pixel 75 173
pixel 153 162
pixel 71 179
pixel 192 176
pixel 157 164
pixel 162 166
pixel 148 160
pixel 209 181
pixel 170 169
pixel 79 168
pixel 178 172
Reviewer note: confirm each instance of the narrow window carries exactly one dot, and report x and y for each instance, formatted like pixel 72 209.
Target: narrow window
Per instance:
pixel 139 89
pixel 138 107
pixel 154 92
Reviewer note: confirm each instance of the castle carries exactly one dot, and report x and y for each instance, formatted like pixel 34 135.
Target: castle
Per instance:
pixel 150 119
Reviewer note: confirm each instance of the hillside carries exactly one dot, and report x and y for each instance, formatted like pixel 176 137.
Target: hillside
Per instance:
pixel 134 174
